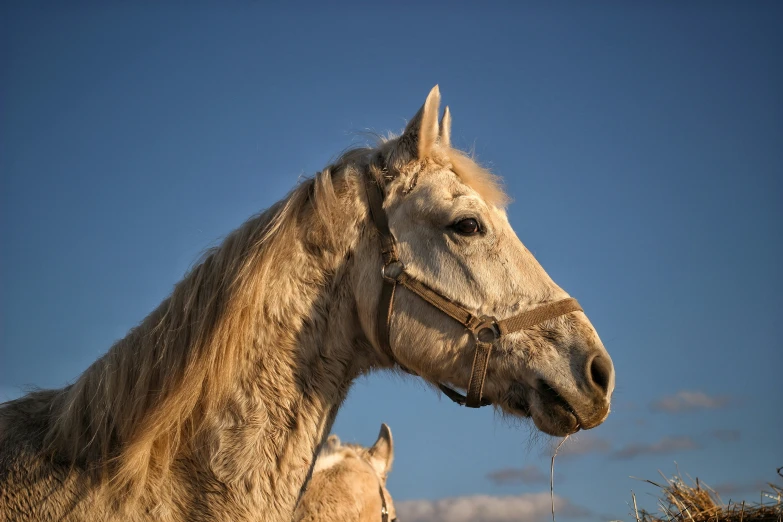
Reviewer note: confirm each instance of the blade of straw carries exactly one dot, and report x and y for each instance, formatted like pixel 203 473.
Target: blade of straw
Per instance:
pixel 552 477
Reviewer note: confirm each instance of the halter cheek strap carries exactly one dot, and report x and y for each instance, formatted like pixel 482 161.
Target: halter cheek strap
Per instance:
pixel 486 330
pixel 384 508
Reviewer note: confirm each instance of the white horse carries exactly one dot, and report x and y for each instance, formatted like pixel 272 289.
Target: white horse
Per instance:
pixel 214 406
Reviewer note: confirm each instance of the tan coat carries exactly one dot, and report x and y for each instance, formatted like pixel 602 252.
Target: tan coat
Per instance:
pixel 348 482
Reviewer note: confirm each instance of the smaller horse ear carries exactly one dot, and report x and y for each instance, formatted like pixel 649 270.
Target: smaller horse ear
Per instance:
pixel 422 131
pixel 333 442
pixel 382 452
pixel 445 128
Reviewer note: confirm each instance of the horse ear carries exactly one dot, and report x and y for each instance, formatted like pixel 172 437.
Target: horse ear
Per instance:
pixel 445 128
pixel 382 452
pixel 333 442
pixel 422 131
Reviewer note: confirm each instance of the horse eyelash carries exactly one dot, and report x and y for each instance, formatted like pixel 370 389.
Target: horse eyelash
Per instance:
pixel 412 185
pixel 481 228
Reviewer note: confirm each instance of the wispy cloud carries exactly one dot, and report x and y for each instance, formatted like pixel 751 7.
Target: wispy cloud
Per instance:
pixel 685 400
pixel 664 446
pixel 584 444
pixel 9 393
pixel 528 475
pixel 624 405
pixel 729 489
pixel 532 506
pixel 726 435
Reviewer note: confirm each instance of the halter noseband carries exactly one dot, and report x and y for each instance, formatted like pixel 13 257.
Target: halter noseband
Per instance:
pixel 486 330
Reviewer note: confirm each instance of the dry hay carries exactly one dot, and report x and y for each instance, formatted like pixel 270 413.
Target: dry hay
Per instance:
pixel 697 502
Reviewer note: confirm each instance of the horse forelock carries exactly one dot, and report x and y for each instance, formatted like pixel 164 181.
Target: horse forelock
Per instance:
pixel 488 185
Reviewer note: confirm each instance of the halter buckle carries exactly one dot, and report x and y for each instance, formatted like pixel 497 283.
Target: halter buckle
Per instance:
pixel 487 330
pixel 392 271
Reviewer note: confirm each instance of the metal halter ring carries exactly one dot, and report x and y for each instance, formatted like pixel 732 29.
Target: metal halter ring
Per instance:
pixel 392 271
pixel 487 331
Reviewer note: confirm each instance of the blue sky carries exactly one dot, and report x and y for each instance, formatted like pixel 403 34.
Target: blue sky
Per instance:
pixel 642 145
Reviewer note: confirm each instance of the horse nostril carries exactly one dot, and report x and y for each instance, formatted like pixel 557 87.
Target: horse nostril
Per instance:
pixel 600 372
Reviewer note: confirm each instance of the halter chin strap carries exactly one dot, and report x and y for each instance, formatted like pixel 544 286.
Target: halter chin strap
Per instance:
pixel 486 330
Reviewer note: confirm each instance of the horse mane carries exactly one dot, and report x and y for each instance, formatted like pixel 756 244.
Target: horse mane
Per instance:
pixel 125 417
pixel 487 184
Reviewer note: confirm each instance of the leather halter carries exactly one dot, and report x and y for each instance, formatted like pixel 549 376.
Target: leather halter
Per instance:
pixel 384 509
pixel 486 330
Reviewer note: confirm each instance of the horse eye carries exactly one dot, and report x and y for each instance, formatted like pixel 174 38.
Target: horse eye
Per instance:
pixel 466 227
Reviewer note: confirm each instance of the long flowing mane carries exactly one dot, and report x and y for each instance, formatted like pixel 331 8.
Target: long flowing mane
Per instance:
pixel 129 409
pixel 126 415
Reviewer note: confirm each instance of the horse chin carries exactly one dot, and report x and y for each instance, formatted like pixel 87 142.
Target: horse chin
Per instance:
pixel 553 414
pixel 555 420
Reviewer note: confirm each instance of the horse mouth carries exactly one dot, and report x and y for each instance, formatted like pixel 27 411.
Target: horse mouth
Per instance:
pixel 555 415
pixel 550 411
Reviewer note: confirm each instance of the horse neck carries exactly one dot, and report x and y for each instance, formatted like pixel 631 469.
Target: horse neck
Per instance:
pixel 248 399
pixel 283 407
pixel 295 374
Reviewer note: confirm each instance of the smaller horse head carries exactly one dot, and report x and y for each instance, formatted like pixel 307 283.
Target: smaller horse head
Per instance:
pixel 349 483
pixel 462 302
